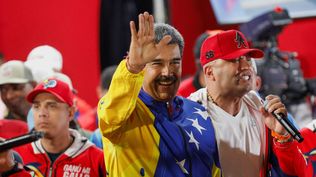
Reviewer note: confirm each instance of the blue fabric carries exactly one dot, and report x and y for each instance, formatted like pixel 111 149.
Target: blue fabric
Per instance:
pixel 30 119
pixel 96 138
pixel 186 136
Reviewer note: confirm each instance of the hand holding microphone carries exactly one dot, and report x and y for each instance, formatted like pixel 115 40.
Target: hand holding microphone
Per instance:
pixel 274 106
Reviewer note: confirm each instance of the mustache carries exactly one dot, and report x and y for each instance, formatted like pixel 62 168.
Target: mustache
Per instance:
pixel 166 79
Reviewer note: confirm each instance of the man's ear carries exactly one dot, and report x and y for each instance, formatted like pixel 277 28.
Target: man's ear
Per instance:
pixel 208 72
pixel 71 111
pixel 258 83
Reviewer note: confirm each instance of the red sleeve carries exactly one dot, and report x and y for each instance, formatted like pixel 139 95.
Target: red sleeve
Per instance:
pixel 307 148
pixel 290 158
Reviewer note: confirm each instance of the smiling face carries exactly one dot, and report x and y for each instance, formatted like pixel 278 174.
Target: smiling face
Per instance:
pixel 14 97
pixel 233 76
pixel 163 74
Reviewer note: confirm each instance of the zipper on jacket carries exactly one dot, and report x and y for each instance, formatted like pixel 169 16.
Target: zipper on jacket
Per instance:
pixel 169 110
pixel 50 171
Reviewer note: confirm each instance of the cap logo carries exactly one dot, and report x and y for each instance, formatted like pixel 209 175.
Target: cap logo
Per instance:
pixel 50 84
pixel 209 54
pixel 240 41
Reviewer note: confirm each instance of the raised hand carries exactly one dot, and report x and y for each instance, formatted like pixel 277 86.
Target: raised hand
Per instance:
pixel 143 48
pixel 274 104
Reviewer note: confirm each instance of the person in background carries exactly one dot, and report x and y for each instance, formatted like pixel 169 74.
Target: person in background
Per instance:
pixel 242 127
pixel 45 55
pixel 62 151
pixel 9 128
pixel 44 61
pixel 16 81
pixel 73 123
pixel 194 83
pixel 147 130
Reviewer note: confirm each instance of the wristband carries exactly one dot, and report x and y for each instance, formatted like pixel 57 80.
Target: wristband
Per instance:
pixel 281 138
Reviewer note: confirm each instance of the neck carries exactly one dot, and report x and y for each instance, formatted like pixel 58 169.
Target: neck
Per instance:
pixel 57 144
pixel 17 116
pixel 227 102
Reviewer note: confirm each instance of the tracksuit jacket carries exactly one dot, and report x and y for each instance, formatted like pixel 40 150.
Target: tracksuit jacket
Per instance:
pixel 146 137
pixel 81 159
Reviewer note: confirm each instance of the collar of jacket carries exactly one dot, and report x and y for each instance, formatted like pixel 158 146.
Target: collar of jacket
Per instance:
pixel 160 107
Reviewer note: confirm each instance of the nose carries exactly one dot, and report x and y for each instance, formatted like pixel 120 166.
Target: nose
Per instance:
pixel 40 112
pixel 166 70
pixel 245 63
pixel 9 94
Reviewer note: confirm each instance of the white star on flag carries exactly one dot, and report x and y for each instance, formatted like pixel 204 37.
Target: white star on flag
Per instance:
pixel 204 114
pixel 193 140
pixel 195 123
pixel 181 165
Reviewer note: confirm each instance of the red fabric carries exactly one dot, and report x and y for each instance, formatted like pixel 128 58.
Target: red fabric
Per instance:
pixel 78 160
pixel 288 152
pixel 82 105
pixel 70 26
pixel 308 148
pixel 300 37
pixel 227 45
pixel 186 87
pixel 88 121
pixel 12 128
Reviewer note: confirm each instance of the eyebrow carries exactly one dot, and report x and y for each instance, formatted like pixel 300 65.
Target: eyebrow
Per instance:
pixel 159 59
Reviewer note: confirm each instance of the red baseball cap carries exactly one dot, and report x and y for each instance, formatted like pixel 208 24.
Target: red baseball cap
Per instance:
pixel 227 45
pixel 53 86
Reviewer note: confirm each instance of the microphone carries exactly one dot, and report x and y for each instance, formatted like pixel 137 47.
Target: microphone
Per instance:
pixel 284 121
pixel 258 102
pixel 20 140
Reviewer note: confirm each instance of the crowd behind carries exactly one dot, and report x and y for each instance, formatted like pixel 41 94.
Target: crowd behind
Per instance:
pixel 149 121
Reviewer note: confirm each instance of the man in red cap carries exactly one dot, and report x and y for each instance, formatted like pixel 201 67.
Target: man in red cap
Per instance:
pixel 62 151
pixel 196 82
pixel 242 125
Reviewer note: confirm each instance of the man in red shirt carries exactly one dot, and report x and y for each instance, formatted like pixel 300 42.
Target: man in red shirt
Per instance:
pixel 62 151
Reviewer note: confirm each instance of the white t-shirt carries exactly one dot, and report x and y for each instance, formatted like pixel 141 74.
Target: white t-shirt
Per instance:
pixel 240 138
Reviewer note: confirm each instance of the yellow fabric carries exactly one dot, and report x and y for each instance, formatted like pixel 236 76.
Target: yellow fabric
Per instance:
pixel 34 171
pixel 216 172
pixel 130 141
